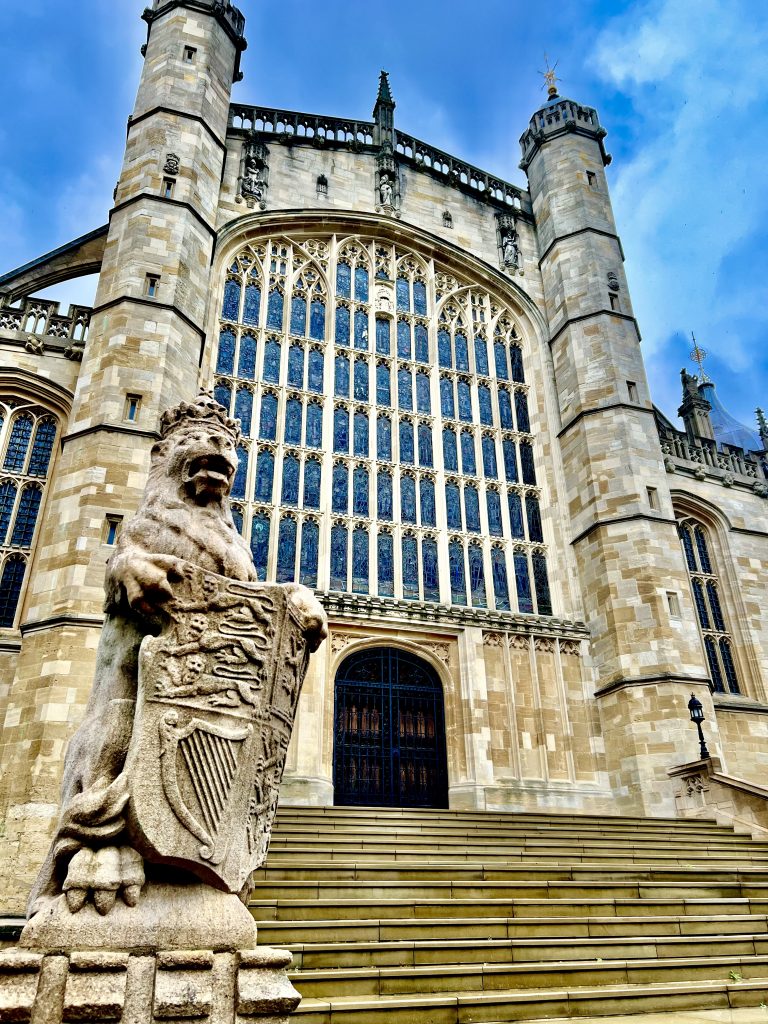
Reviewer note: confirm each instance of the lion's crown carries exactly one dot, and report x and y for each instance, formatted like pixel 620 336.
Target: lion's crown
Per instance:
pixel 204 409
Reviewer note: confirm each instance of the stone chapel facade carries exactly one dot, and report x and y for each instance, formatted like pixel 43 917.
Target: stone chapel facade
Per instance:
pixel 447 434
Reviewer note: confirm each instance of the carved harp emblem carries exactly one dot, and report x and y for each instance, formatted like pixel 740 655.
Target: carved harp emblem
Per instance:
pixel 198 766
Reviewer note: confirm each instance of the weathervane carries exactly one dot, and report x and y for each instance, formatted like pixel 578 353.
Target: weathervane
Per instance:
pixel 698 355
pixel 550 78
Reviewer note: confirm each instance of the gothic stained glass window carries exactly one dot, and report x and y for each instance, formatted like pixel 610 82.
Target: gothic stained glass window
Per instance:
pixel 450 454
pixel 523 582
pixel 230 309
pixel 526 462
pixel 423 403
pixel 701 546
pixel 404 390
pixel 360 557
pixel 410 568
pixel 408 499
pixel 265 470
pixel 419 298
pixel 462 352
pixel 444 349
pixel 237 518
pixel 222 393
pixel 481 356
pixel 339 557
pixel 246 362
pixel 296 366
pixel 252 304
pixel 465 402
pixel 314 429
pixel 298 315
pixel 425 445
pixel 427 501
pixel 317 320
pixel 509 451
pixel 685 535
pixel 468 463
pixel 714 607
pixel 403 292
pixel 701 607
pixel 361 284
pixel 452 507
pixel 26 517
pixel 385 556
pixel 500 584
pixel 260 544
pixel 361 435
pixel 384 496
pixel 383 395
pixel 477 576
pixel 382 336
pixel 342 325
pixel 225 361
pixel 516 359
pixel 310 546
pixel 272 361
pixel 340 489
pixel 472 509
pixel 516 515
pixel 484 401
pixel 315 381
pixel 268 417
pixel 361 329
pixel 521 412
pixel 728 666
pixel 541 583
pixel 406 442
pixel 456 568
pixel 275 310
pixel 500 359
pixel 714 667
pixel 344 280
pixel 10 589
pixel 489 457
pixel 42 447
pixel 361 380
pixel 290 491
pixel 533 514
pixel 493 503
pixel 446 397
pixel 403 339
pixel 384 439
pixel 340 430
pixel 312 474
pixel 341 377
pixel 430 577
pixel 286 550
pixel 238 484
pixel 360 491
pixel 7 501
pixel 505 409
pixel 244 409
pixel 422 343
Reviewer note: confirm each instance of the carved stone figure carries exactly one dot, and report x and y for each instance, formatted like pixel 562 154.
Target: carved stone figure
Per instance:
pixel 385 190
pixel 253 185
pixel 199 669
pixel 511 249
pixel 172 164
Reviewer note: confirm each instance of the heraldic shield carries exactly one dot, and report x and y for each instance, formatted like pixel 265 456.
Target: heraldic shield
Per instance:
pixel 217 696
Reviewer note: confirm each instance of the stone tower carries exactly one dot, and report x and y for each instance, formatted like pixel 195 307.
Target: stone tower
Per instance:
pixel 142 356
pixel 633 579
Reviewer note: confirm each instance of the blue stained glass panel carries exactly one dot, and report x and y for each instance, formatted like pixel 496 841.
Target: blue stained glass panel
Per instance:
pixel 272 361
pixel 701 607
pixel 406 442
pixel 444 349
pixel 714 606
pixel 403 292
pixel 523 582
pixel 489 457
pixel 477 576
pixel 404 390
pixel 526 462
pixel 410 569
pixel 7 501
pixel 484 401
pixel 314 434
pixel 685 536
pixel 728 666
pixel 521 412
pixel 222 394
pixel 425 445
pixel 403 339
pixel 505 409
pixel 10 589
pixel 541 583
pixel 509 450
pixel 516 515
pixel 361 380
pixel 244 409
pixel 533 514
pixel 260 544
pixel 361 435
pixel 340 430
pixel 383 395
pixel 701 545
pixel 42 448
pixel 516 359
pixel 230 309
pixel 468 464
pixel 384 439
pixel 339 558
pixel 382 336
pixel 252 304
pixel 419 298
pixel 456 568
pixel 500 584
pixel 275 304
pixel 342 325
pixel 408 499
pixel 430 578
pixel 344 280
pixel 422 343
pixel 481 356
pixel 427 502
pixel 423 403
pixel 341 377
pixel 361 284
pixel 286 550
pixel 315 371
pixel 340 489
pixel 296 366
pixel 237 519
pixel 265 470
pixel 310 546
pixel 361 330
pixel 293 421
pixel 714 667
pixel 500 358
pixel 385 553
pixel 465 402
pixel 360 506
pixel 225 360
pixel 384 496
pixel 26 517
pixel 472 509
pixel 493 503
pixel 360 559
pixel 312 473
pixel 462 352
pixel 450 453
pixel 268 418
pixel 317 320
pixel 246 363
pixel 290 491
pixel 446 397
pixel 452 507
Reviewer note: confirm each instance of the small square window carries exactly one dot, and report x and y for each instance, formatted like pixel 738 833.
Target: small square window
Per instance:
pixel 111 531
pixel 190 52
pixel 132 406
pixel 152 285
pixel 653 498
pixel 632 390
pixel 673 602
pixel 168 186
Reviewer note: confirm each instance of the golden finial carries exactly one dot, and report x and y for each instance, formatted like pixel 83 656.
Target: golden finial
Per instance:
pixel 550 78
pixel 698 355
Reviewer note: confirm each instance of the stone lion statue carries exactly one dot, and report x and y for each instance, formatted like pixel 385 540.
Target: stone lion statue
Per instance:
pixel 184 517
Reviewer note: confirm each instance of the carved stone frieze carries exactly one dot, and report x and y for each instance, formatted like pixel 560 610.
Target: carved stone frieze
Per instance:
pixel 571 648
pixel 494 639
pixel 545 644
pixel 340 640
pixel 519 642
pixel 441 651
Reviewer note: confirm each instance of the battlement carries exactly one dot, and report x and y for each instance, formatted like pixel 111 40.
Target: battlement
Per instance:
pixel 559 117
pixel 729 466
pixel 224 10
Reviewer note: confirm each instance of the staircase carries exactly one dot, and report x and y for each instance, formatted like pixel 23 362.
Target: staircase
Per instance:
pixel 443 917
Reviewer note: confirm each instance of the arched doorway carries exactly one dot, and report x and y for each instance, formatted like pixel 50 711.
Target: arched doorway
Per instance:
pixel 389 732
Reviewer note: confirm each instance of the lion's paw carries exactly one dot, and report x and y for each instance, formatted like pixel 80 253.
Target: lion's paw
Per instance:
pixel 102 875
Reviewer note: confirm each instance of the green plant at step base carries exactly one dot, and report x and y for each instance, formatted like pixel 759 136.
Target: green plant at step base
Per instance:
pixel 735 975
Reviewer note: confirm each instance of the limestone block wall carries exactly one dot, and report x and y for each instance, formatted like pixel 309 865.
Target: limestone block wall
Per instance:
pixel 743 729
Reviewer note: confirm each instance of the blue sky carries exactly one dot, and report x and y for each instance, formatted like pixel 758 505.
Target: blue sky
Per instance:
pixel 680 85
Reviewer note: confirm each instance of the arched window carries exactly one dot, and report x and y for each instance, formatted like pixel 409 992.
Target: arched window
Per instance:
pixel 541 583
pixel 384 495
pixel 481 356
pixel 244 409
pixel 465 401
pixel 260 544
pixel 361 330
pixel 386 564
pixel 298 315
pixel 384 439
pixel 509 451
pixel 286 550
pixel 422 343
pixel 344 280
pixel 447 407
pixel 296 366
pixel 317 320
pixel 7 505
pixel 315 381
pixel 383 393
pixel 450 453
pixel 265 470
pixel 341 377
pixel 427 501
pixel 500 358
pixel 222 393
pixel 419 298
pixel 382 336
pixel 404 390
pixel 410 568
pixel 472 509
pixel 310 546
pixel 489 456
pixel 314 428
pixel 361 435
pixel 26 517
pixel 408 499
pixel 290 490
pixel 456 568
pixel 429 569
pixel 462 352
pixel 360 560
pixel 11 581
pixel 268 417
pixel 526 461
pixel 468 462
pixel 500 583
pixel 275 310
pixel 484 401
pixel 39 460
pixel 238 484
pixel 361 380
pixel 493 503
pixel 312 476
pixel 444 359
pixel 406 442
pixel 533 514
pixel 360 491
pixel 505 409
pixel 523 582
pixel 425 445
pixel 252 304
pixel 340 430
pixel 521 412
pixel 272 361
pixel 340 489
pixel 246 363
pixel 423 403
pixel 403 294
pixel 338 557
pixel 361 284
pixel 18 443
pixel 516 514
pixel 225 361
pixel 452 506
pixel 477 576
pixel 342 325
pixel 230 309
pixel 403 339
pixel 516 360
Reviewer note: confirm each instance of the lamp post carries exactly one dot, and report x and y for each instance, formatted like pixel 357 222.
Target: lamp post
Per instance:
pixel 696 709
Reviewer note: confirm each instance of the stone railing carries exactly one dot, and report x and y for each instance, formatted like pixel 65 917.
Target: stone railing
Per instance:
pixel 704 790
pixel 288 125
pixel 729 466
pixel 41 317
pixel 558 117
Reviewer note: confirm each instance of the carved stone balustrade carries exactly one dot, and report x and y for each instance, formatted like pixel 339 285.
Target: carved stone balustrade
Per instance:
pixel 42 319
pixel 729 466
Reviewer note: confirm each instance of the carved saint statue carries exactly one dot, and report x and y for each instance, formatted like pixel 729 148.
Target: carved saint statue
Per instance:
pixel 179 757
pixel 253 181
pixel 385 190
pixel 510 249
